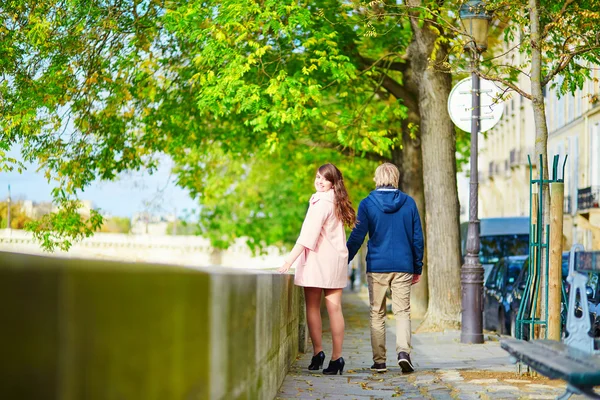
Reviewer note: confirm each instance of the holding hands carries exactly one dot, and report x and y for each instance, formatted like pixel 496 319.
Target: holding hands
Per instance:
pixel 416 278
pixel 284 268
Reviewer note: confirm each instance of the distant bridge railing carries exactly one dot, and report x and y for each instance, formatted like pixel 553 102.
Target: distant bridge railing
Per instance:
pixel 90 329
pixel 166 249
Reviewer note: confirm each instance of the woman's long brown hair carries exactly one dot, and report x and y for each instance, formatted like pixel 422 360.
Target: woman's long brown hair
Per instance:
pixel 343 206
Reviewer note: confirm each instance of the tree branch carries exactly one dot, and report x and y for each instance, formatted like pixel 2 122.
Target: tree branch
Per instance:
pixel 558 16
pixel 386 64
pixel 399 92
pixel 564 61
pixel 504 82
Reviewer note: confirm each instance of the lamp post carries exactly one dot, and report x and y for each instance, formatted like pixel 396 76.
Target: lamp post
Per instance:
pixel 475 20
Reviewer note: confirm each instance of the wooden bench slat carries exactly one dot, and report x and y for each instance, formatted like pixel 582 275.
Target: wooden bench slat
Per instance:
pixel 556 360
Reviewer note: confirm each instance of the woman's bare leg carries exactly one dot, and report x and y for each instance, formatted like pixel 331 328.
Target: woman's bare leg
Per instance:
pixel 312 297
pixel 333 300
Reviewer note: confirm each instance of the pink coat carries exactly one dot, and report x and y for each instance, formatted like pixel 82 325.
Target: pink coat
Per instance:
pixel 324 262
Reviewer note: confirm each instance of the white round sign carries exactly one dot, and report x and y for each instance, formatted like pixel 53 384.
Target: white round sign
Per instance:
pixel 459 105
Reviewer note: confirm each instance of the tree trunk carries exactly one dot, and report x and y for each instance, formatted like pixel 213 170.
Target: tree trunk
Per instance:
pixel 438 144
pixel 541 132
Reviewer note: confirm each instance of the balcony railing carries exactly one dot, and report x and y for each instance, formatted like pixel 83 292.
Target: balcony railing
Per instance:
pixel 588 197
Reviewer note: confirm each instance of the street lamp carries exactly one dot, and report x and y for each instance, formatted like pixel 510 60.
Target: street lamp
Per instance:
pixel 475 20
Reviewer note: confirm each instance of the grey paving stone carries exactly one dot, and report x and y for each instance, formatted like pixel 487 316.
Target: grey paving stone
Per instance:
pixel 469 388
pixel 467 396
pixel 439 357
pixel 436 386
pixel 441 396
pixel 538 386
pixel 499 388
pixel 505 396
pixel 483 381
pixel 425 379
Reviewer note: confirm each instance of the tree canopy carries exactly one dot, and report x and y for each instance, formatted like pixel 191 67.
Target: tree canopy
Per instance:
pixel 237 93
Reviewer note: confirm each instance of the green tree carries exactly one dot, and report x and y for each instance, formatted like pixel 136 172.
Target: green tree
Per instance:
pixel 18 217
pixel 116 225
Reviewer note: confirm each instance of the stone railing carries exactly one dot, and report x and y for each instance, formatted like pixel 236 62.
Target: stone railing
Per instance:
pixel 88 329
pixel 164 249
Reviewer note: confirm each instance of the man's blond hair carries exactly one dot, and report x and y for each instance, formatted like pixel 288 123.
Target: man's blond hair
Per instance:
pixel 387 174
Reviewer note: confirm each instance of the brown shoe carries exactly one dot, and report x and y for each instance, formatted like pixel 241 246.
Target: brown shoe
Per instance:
pixel 404 362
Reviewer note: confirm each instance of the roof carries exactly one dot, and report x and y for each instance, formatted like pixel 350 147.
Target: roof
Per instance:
pixel 504 226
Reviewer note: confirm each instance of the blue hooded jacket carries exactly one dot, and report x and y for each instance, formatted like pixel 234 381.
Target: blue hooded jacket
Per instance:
pixel 391 219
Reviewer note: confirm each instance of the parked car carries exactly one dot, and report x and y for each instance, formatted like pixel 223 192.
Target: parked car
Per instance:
pixel 515 297
pixel 498 285
pixel 499 237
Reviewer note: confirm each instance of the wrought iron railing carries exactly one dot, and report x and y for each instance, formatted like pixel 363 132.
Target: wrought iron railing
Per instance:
pixel 588 197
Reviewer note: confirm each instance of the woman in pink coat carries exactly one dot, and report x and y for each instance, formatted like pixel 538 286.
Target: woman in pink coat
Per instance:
pixel 320 257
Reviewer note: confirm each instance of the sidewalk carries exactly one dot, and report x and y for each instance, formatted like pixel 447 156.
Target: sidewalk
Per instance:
pixel 445 368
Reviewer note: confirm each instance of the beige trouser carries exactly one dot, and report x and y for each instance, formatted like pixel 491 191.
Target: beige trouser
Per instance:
pixel 400 284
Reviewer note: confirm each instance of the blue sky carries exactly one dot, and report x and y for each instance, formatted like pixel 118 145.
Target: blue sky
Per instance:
pixel 123 197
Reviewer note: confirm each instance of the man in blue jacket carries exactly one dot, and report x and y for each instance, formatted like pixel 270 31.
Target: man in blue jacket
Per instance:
pixel 394 260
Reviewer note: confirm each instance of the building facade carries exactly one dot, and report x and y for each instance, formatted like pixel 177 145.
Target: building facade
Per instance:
pixel 574 131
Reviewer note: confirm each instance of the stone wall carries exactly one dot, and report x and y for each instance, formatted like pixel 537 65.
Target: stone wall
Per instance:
pixel 82 329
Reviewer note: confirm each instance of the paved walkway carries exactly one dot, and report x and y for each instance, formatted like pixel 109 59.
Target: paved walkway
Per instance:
pixel 445 368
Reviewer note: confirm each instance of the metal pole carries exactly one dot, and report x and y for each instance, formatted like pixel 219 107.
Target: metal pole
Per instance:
pixel 472 272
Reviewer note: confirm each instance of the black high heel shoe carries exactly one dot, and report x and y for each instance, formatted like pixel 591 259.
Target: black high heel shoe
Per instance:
pixel 335 367
pixel 317 361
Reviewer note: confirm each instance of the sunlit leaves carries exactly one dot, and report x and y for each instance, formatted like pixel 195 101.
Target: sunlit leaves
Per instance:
pixel 228 89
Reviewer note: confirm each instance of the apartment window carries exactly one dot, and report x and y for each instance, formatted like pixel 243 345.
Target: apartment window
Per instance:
pixel 554 112
pixel 578 103
pixel 560 151
pixel 595 155
pixel 573 176
pixel 591 84
pixel 560 112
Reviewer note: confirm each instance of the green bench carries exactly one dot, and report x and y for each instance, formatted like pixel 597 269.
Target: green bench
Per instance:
pixel 573 360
